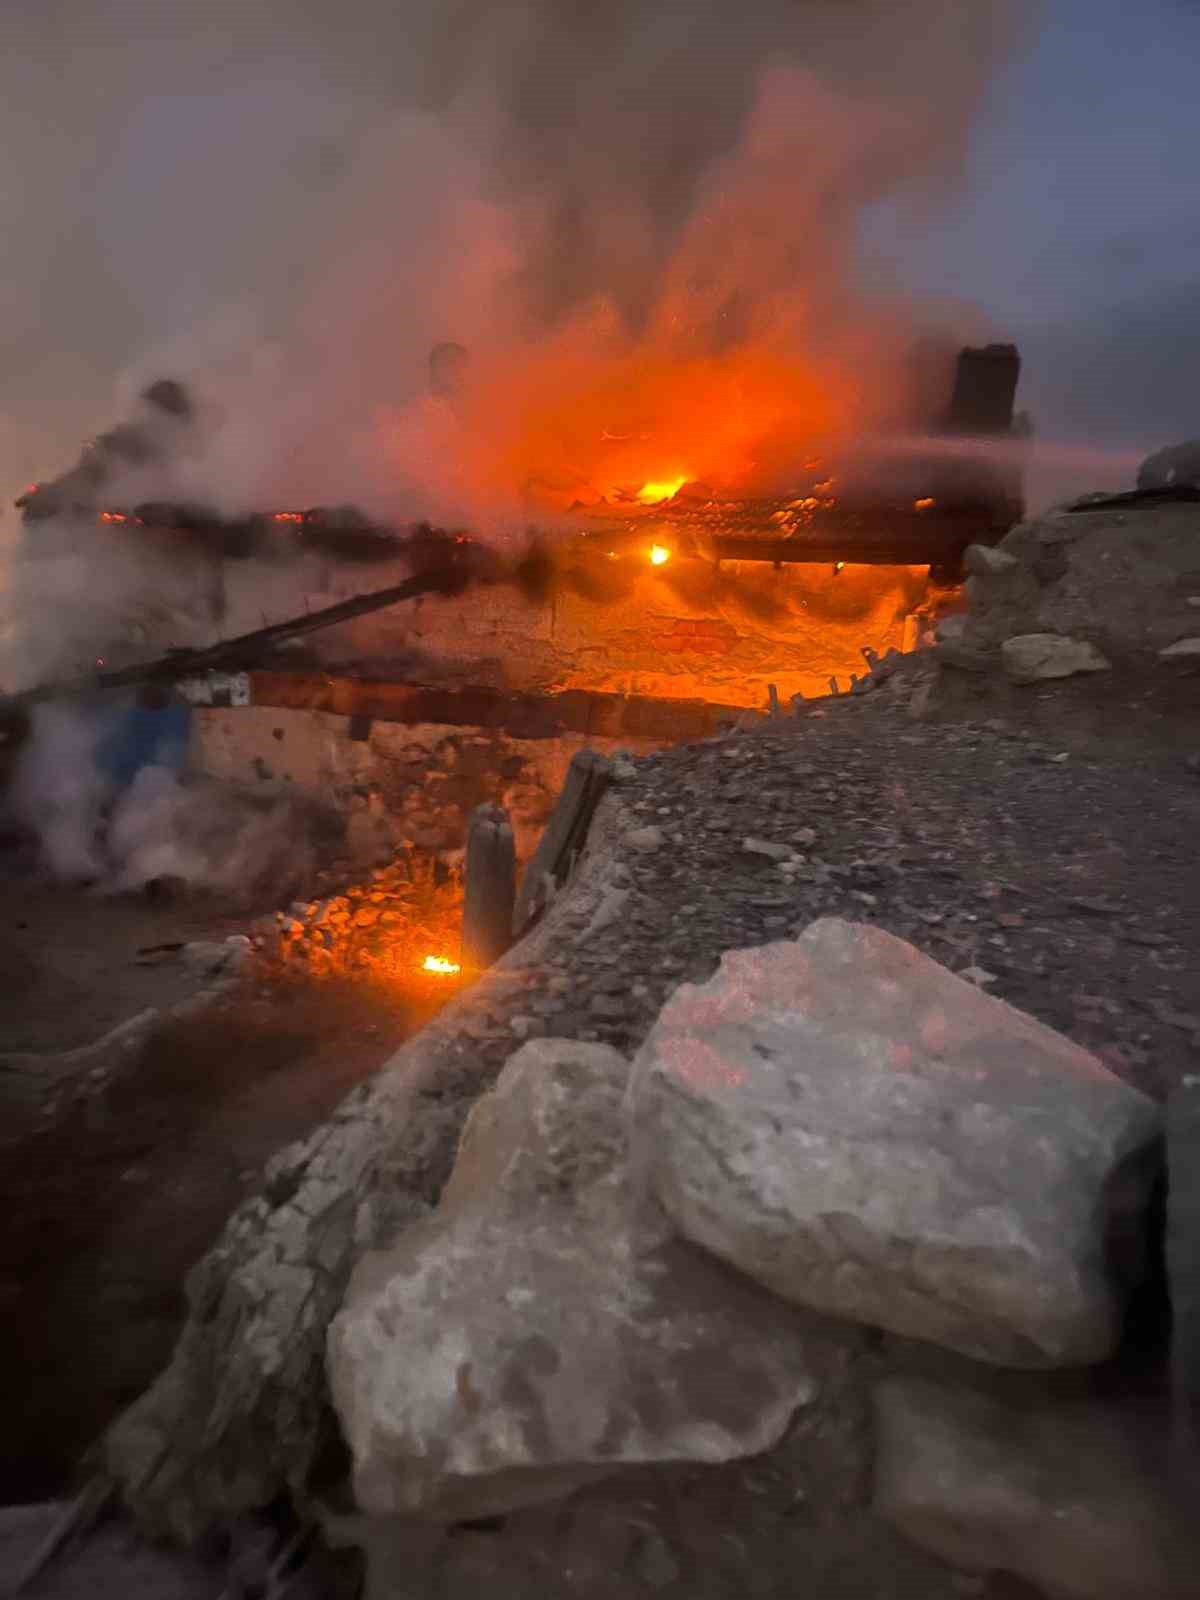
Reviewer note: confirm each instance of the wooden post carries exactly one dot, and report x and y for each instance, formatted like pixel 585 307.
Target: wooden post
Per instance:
pixel 566 832
pixel 490 888
pixel 773 699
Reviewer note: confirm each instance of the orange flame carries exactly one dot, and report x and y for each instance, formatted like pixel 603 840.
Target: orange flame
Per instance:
pixel 659 555
pixel 653 493
pixel 441 965
pixel 925 504
pixel 289 516
pixel 113 516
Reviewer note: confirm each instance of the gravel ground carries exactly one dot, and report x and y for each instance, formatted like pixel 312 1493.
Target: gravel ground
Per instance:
pixel 1041 842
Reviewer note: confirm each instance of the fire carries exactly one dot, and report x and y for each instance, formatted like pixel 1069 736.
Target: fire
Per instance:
pixel 653 493
pixel 289 516
pixel 441 965
pixel 926 504
pixel 659 555
pixel 113 516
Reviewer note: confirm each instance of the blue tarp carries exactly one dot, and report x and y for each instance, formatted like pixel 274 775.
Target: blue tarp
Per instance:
pixel 139 737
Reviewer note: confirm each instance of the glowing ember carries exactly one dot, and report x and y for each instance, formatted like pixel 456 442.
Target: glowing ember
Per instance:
pixel 653 493
pixel 924 505
pixel 113 516
pixel 440 965
pixel 659 556
pixel 289 516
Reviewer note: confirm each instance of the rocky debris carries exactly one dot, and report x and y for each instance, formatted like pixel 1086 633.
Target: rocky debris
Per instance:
pixel 769 849
pixel 1174 467
pixel 383 925
pixel 984 561
pixel 851 1125
pixel 213 958
pixel 646 839
pixel 542 1329
pixel 965 840
pixel 1068 1499
pixel 1119 576
pixel 1032 657
pixel 1182 649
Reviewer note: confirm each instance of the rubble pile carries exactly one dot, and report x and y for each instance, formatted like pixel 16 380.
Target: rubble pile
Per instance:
pixel 382 927
pixel 1099 584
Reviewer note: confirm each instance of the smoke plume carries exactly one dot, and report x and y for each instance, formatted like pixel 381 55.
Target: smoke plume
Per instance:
pixel 639 218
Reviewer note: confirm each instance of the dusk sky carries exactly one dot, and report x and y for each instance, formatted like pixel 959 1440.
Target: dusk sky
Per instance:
pixel 1079 230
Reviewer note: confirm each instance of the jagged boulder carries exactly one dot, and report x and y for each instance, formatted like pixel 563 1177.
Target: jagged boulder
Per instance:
pixel 1071 1498
pixel 544 1329
pixel 1033 657
pixel 845 1121
pixel 1118 577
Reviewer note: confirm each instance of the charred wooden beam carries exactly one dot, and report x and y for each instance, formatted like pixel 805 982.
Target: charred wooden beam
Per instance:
pixel 566 833
pixel 248 648
pixel 520 715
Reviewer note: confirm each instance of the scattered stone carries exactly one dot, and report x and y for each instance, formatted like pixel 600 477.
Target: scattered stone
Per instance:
pixel 1062 1498
pixel 950 628
pixel 1182 649
pixel 1034 657
pixel 983 561
pixel 979 976
pixel 646 840
pixel 543 1329
pixel 765 847
pixel 862 1132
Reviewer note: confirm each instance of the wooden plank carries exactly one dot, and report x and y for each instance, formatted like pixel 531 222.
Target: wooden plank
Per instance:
pixel 521 716
pixel 490 888
pixel 587 778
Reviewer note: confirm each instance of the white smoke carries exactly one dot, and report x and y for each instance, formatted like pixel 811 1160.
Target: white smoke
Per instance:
pixel 289 205
pixel 642 211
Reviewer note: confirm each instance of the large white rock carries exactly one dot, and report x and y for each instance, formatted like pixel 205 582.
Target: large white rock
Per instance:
pixel 1073 1499
pixel 544 1328
pixel 1032 657
pixel 864 1133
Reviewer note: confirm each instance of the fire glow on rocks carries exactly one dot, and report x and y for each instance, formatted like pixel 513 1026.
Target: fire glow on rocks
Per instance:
pixel 441 965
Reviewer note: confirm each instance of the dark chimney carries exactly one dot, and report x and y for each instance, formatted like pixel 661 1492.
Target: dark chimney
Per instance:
pixel 985 387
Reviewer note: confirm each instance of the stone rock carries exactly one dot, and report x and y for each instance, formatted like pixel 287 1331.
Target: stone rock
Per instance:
pixel 983 561
pixel 765 847
pixel 951 627
pixel 1032 657
pixel 645 840
pixel 847 1122
pixel 210 958
pixel 1067 1498
pixel 1182 649
pixel 545 1328
pixel 1175 467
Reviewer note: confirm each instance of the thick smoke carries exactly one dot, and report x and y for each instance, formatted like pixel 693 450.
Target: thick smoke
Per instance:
pixel 638 217
pixel 289 203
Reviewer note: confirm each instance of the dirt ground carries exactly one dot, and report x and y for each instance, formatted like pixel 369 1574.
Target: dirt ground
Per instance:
pixel 109 1203
pixel 1043 838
